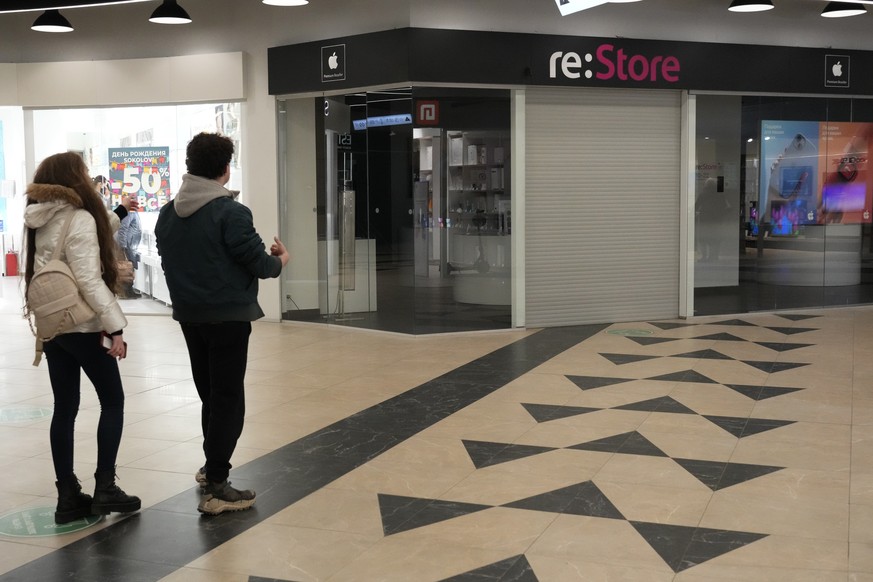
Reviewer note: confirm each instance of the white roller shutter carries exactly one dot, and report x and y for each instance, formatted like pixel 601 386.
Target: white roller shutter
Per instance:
pixel 602 205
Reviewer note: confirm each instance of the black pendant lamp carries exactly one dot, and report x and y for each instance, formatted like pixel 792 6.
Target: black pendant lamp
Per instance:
pixel 52 21
pixel 843 9
pixel 750 5
pixel 169 13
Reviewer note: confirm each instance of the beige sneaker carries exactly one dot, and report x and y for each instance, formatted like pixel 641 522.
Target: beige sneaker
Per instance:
pixel 220 497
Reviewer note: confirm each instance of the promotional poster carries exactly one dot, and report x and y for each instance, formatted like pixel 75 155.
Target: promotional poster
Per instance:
pixel 143 172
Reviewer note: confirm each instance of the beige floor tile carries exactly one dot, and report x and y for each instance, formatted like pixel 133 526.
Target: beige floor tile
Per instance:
pixel 860 520
pixel 792 502
pixel 572 569
pixel 645 470
pixel 14 554
pixel 286 553
pixel 335 509
pixel 778 558
pixel 165 427
pixel 198 575
pixel 610 542
pixel 523 478
pixel 861 557
pixel 861 488
pixel 819 447
pixel 401 558
pixel 654 504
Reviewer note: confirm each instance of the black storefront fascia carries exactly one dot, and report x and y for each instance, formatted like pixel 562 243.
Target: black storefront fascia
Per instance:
pixel 422 56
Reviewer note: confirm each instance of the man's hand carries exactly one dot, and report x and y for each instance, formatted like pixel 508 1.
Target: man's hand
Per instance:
pixel 131 203
pixel 277 249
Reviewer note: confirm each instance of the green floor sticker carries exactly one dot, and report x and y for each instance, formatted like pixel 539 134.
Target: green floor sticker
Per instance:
pixel 23 413
pixel 630 332
pixel 39 522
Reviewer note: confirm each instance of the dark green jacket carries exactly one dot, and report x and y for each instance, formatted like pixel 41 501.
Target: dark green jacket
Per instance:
pixel 212 257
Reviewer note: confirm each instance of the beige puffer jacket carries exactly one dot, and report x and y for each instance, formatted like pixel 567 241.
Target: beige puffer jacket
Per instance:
pixel 81 250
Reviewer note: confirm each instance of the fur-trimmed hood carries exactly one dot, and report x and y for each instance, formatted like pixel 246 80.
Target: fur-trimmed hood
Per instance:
pixel 49 198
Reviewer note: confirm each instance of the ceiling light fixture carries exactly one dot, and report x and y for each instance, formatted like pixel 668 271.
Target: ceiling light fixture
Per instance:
pixel 843 9
pixel 286 2
pixel 750 5
pixel 169 13
pixel 52 21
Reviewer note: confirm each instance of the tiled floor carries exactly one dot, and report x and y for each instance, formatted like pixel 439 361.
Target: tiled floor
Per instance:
pixel 720 448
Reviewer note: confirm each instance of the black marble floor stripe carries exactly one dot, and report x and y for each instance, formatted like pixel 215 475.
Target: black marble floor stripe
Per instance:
pixel 150 545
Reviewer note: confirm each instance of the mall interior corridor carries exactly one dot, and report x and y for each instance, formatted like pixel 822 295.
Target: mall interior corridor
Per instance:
pixel 712 449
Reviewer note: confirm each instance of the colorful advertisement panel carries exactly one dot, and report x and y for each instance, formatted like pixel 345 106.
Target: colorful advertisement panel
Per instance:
pixel 814 173
pixel 143 172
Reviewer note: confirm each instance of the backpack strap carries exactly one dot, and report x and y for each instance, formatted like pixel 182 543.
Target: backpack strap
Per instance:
pixel 63 238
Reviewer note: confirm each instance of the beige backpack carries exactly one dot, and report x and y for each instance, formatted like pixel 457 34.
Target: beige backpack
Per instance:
pixel 54 303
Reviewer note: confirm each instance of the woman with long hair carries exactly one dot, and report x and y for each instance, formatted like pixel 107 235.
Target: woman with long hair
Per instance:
pixel 61 186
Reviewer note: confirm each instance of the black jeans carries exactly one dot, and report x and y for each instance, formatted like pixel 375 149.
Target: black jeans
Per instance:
pixel 219 354
pixel 67 354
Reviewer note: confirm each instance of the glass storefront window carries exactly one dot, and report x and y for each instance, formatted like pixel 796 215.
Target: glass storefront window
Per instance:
pixel 398 209
pixel 783 203
pixel 141 152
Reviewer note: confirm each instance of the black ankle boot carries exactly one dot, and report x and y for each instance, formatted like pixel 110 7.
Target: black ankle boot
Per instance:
pixel 72 503
pixel 109 497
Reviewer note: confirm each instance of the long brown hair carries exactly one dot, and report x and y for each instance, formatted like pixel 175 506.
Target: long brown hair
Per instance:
pixel 69 169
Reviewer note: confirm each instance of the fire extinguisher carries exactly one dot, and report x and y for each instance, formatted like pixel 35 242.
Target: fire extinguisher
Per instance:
pixel 11 263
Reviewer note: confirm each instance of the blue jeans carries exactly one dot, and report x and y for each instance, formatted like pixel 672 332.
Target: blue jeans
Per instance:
pixel 67 355
pixel 219 355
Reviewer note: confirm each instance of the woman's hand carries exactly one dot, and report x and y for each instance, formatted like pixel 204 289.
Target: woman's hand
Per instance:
pixel 119 348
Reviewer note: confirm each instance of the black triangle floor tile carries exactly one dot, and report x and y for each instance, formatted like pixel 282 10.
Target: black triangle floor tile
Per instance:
pixel 619 359
pixel 792 330
pixel 262 579
pixel 773 367
pixel 683 547
pixel 547 412
pixel 591 382
pixel 759 425
pixel 737 322
pixel 782 347
pixel 684 376
pixel 761 392
pixel 401 514
pixel 649 341
pixel 721 337
pixel 629 443
pixel 719 475
pixel 772 391
pixel 514 569
pixel 742 427
pixel 585 499
pixel 485 454
pixel 707 544
pixel 703 355
pixel 660 404
pixel 797 316
pixel 669 325
pixel 747 390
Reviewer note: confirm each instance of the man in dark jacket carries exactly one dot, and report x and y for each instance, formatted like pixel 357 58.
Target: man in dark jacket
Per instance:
pixel 212 259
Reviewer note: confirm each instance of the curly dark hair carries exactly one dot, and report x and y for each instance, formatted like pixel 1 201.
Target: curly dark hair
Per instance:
pixel 208 155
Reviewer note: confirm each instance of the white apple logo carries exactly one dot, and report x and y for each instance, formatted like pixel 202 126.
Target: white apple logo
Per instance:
pixel 838 69
pixel 333 63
